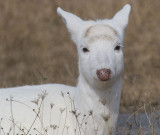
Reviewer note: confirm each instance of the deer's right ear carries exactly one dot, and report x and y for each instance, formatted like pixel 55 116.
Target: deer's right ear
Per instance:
pixel 72 22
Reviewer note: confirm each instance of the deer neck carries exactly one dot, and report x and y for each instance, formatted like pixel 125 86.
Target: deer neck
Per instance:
pixel 89 97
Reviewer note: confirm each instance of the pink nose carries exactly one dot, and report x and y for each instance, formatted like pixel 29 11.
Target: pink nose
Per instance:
pixel 104 74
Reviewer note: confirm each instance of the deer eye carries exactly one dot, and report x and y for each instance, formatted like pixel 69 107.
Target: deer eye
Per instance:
pixel 117 48
pixel 85 50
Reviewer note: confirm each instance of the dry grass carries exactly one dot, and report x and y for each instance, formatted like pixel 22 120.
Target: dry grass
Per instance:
pixel 135 123
pixel 36 48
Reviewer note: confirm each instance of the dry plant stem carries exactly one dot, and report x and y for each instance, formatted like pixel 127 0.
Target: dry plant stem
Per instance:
pixel 37 131
pixel 153 132
pixel 110 108
pixel 94 125
pixel 77 122
pixel 51 120
pixel 78 125
pixel 21 103
pixel 85 130
pixel 41 118
pixel 0 125
pixel 75 115
pixel 37 115
pixel 70 99
pixel 10 130
pixel 20 129
pixel 158 122
pixel 72 108
pixel 64 122
pixel 147 115
pixel 83 119
pixel 93 122
pixel 139 131
pixel 67 131
pixel 3 131
pixel 135 119
pixel 71 104
pixel 12 117
pixel 65 117
pixel 75 132
pixel 51 117
pixel 151 110
pixel 59 123
pixel 11 100
pixel 99 125
pixel 136 112
pixel 40 110
pixel 86 119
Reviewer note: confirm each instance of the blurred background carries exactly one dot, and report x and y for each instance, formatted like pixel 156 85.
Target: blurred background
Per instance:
pixel 35 47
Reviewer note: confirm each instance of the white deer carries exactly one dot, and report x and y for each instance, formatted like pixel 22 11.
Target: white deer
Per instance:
pixel 90 108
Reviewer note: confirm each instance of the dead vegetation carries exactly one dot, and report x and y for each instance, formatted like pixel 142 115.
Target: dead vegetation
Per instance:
pixel 35 46
pixel 136 123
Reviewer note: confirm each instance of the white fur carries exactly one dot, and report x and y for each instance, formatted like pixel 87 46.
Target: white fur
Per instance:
pixel 98 98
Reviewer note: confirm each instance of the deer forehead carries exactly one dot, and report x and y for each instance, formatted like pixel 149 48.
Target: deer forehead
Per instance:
pixel 100 32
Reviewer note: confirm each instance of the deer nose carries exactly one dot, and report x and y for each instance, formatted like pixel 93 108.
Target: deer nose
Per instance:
pixel 104 74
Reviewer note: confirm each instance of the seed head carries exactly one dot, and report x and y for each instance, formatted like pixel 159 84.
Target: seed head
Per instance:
pixel 62 110
pixel 90 112
pixel 105 117
pixel 62 94
pixel 51 105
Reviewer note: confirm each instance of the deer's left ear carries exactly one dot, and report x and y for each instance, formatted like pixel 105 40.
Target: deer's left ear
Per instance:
pixel 72 22
pixel 121 17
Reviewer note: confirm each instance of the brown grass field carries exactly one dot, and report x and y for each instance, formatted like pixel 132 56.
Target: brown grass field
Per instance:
pixel 35 47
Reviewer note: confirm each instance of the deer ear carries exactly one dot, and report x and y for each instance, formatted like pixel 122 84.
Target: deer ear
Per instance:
pixel 121 17
pixel 72 22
